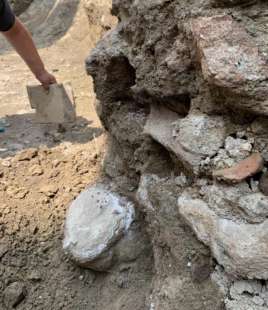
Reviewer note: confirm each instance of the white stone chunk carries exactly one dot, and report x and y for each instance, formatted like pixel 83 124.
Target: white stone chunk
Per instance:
pixel 95 221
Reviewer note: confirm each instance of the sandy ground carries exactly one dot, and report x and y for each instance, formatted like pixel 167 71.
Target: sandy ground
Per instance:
pixel 42 170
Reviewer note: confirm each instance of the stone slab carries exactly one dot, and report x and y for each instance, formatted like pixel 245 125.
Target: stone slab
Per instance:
pixel 54 106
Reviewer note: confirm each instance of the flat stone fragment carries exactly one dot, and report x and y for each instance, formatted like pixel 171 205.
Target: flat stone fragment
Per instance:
pixel 255 205
pixel 238 149
pixel 242 249
pixel 95 221
pixel 232 62
pixel 243 305
pixel 191 139
pixel 244 169
pixel 53 106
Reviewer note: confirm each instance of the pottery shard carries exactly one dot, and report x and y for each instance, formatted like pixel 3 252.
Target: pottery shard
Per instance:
pixel 232 62
pixel 242 170
pixel 242 249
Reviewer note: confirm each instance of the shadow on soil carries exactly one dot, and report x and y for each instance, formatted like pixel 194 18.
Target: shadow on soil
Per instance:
pixel 48 21
pixel 21 132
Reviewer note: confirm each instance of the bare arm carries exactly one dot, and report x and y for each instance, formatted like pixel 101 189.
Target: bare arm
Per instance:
pixel 21 40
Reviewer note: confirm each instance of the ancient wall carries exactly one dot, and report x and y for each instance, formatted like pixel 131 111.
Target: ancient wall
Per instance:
pixel 182 91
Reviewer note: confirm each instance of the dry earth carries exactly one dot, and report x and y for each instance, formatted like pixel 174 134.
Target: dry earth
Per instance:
pixel 42 170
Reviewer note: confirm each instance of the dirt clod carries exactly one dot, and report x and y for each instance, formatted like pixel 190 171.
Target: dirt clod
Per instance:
pixel 14 294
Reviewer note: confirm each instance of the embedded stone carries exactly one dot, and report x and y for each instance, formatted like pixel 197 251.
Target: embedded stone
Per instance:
pixel 238 149
pixel 232 62
pixel 241 248
pixel 202 134
pixel 255 205
pixel 161 126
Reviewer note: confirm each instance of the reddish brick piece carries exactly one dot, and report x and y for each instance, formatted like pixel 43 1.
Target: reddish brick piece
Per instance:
pixel 242 170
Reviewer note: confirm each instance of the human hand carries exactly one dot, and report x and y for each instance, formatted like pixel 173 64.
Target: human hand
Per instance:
pixel 46 79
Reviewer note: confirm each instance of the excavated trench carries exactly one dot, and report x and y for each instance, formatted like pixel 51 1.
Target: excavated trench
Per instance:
pixel 173 210
pixel 43 170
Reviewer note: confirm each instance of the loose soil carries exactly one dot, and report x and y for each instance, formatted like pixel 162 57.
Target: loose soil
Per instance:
pixel 43 168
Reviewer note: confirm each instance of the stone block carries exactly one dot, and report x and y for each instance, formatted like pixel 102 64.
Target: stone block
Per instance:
pixel 232 63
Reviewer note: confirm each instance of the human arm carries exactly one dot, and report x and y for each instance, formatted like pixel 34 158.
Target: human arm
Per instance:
pixel 21 40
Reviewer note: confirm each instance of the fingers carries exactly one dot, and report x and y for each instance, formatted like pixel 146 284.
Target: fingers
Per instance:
pixel 46 80
pixel 53 80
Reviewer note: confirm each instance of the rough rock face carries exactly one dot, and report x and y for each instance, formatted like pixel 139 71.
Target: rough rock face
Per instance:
pixel 182 90
pixel 240 248
pixel 231 61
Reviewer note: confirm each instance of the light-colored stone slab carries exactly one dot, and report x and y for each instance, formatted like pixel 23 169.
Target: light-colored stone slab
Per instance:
pixel 241 248
pixel 191 139
pixel 53 106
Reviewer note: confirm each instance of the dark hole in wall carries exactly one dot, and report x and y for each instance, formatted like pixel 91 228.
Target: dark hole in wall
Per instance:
pixel 232 3
pixel 159 161
pixel 180 103
pixel 240 117
pixel 257 176
pixel 120 76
